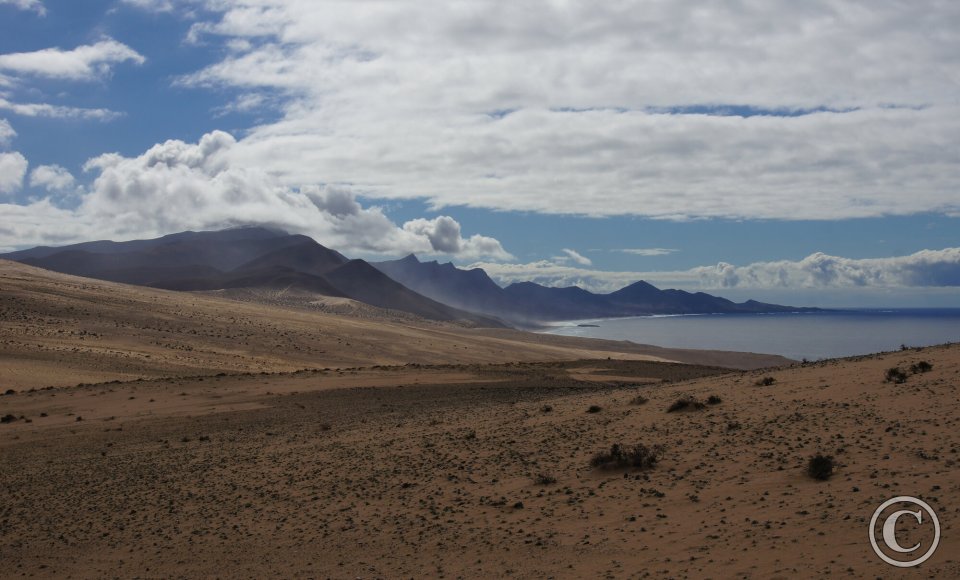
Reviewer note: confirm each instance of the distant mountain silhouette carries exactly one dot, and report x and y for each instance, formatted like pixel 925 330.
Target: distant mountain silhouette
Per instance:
pixel 255 257
pixel 248 257
pixel 528 302
pixel 467 289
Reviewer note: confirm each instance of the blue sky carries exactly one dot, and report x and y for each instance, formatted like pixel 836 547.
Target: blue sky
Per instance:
pixel 782 151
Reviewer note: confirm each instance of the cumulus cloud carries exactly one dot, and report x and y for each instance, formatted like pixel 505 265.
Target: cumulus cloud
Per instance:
pixel 31 5
pixel 176 186
pixel 819 270
pixel 564 108
pixel 443 232
pixel 52 178
pixel 13 166
pixel 86 62
pixel 924 269
pixel 6 133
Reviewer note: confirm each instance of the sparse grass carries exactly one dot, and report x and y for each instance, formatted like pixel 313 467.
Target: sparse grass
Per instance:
pixel 820 467
pixel 896 376
pixel 685 404
pixel 766 381
pixel 638 456
pixel 639 400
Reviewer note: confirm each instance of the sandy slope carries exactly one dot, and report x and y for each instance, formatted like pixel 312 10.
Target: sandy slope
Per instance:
pixel 60 330
pixel 413 472
pixel 228 466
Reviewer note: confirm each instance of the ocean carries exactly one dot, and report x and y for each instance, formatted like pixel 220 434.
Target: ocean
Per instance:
pixel 813 335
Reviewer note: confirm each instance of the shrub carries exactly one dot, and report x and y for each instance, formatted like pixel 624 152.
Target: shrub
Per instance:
pixel 639 456
pixel 639 400
pixel 820 467
pixel 594 409
pixel 685 404
pixel 545 479
pixel 766 381
pixel 896 376
pixel 714 400
pixel 546 408
pixel 7 419
pixel 921 367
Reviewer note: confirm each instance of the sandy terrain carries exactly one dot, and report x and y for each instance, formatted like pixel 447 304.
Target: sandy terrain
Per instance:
pixel 59 330
pixel 248 441
pixel 411 472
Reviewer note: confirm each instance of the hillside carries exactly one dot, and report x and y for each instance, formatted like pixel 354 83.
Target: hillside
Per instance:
pixel 248 257
pixel 479 471
pixel 57 329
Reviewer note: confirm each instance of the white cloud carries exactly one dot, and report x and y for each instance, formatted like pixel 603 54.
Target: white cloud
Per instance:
pixel 32 5
pixel 57 111
pixel 85 62
pixel 648 251
pixel 52 178
pixel 6 133
pixel 576 257
pixel 924 269
pixel 565 107
pixel 176 186
pixel 13 166
pixel 443 232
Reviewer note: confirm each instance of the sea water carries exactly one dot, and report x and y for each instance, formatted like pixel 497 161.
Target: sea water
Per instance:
pixel 811 335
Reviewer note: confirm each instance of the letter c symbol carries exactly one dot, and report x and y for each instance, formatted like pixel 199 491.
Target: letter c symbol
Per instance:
pixel 890 529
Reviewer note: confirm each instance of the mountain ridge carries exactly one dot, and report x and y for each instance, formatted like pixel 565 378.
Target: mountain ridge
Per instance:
pixel 257 257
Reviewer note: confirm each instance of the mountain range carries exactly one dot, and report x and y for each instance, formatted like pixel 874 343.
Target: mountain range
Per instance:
pixel 256 257
pixel 528 302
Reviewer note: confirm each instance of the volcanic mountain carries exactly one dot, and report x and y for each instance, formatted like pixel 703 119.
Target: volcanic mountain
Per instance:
pixel 249 257
pixel 261 258
pixel 529 302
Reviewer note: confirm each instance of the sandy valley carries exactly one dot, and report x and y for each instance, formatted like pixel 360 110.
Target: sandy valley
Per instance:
pixel 155 434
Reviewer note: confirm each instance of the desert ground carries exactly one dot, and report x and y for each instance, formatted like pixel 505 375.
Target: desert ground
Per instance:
pixel 155 434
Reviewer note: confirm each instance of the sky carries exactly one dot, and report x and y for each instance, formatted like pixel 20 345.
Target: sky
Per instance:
pixel 785 151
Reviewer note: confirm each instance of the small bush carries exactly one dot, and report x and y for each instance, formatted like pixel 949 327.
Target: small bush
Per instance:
pixel 766 381
pixel 896 376
pixel 639 400
pixel 594 409
pixel 545 479
pixel 546 409
pixel 921 367
pixel 820 467
pixel 7 419
pixel 714 400
pixel 639 456
pixel 685 404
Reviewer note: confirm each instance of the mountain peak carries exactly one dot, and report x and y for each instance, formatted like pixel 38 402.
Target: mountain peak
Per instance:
pixel 410 258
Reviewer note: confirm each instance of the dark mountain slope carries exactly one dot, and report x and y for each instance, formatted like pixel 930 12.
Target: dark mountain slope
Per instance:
pixel 467 289
pixel 361 281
